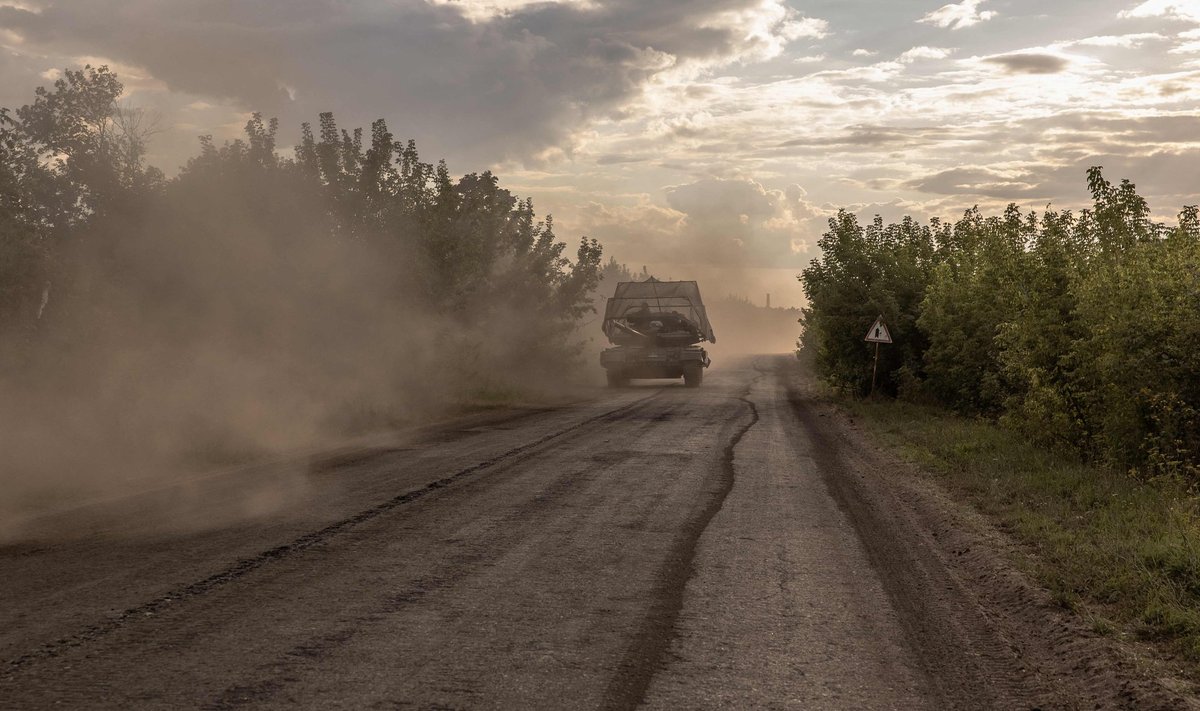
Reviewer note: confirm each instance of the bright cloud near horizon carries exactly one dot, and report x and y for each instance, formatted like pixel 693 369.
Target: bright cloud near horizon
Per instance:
pixel 707 139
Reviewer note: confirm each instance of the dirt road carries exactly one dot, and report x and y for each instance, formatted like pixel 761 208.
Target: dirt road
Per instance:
pixel 735 546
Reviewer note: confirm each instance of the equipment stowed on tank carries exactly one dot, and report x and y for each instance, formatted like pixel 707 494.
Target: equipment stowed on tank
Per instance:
pixel 656 328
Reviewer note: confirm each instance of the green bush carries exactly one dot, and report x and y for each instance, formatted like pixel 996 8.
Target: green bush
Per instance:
pixel 864 273
pixel 1078 330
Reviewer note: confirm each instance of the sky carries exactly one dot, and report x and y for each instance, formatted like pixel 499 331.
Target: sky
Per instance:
pixel 707 139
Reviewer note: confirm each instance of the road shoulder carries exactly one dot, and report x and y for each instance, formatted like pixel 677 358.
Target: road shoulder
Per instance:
pixel 1076 666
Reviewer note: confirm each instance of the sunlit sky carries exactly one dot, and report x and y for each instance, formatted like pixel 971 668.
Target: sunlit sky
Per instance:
pixel 706 139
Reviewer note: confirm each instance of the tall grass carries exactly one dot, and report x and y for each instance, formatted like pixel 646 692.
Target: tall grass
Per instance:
pixel 1123 551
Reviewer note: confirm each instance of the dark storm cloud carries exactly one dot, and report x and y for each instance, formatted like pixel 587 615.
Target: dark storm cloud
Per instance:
pixel 1029 63
pixel 501 87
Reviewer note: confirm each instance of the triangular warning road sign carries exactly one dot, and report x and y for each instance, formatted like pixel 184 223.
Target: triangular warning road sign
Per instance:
pixel 878 332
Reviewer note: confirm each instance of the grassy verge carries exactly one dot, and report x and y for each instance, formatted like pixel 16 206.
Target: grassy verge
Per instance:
pixel 1124 553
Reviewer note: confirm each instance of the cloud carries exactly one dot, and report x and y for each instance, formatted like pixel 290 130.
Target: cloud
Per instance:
pixel 1172 9
pixel 733 225
pixel 871 136
pixel 916 53
pixel 622 97
pixel 1149 132
pixel 1029 63
pixel 489 79
pixel 620 158
pixel 740 223
pixel 715 199
pixel 879 72
pixel 683 126
pixel 1129 41
pixel 483 10
pixel 1163 173
pixel 1191 43
pixel 958 15
pixel 644 229
pixel 977 181
pixel 810 27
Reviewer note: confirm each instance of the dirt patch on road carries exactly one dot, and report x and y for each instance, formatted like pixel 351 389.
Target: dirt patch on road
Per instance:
pixel 947 570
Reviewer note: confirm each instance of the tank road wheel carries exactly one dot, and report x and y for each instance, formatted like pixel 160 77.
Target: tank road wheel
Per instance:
pixel 616 379
pixel 693 375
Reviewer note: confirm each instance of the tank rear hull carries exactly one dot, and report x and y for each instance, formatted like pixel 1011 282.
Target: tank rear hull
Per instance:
pixel 624 363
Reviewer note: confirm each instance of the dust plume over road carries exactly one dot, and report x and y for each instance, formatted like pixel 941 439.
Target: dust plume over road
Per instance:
pixel 255 305
pixel 745 328
pixel 736 545
pixel 193 344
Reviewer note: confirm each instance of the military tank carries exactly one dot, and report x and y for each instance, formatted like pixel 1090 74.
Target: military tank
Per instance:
pixel 656 328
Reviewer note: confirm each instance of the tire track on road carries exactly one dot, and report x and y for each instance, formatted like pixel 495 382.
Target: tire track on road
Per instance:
pixel 275 675
pixel 965 656
pixel 985 635
pixel 645 656
pixel 246 566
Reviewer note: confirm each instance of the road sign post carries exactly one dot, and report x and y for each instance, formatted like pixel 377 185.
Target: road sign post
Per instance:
pixel 874 369
pixel 878 333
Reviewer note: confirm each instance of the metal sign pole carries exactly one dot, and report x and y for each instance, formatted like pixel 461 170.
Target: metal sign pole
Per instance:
pixel 875 369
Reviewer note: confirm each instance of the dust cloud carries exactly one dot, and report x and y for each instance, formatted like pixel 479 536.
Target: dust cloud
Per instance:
pixel 742 326
pixel 252 310
pixel 735 289
pixel 233 322
pixel 199 348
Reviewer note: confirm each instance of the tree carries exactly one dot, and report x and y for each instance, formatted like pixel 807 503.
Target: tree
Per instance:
pixel 975 290
pixel 864 273
pixel 95 146
pixel 25 222
pixel 1080 331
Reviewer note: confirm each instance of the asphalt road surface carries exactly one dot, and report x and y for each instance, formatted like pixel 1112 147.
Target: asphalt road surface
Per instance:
pixel 734 546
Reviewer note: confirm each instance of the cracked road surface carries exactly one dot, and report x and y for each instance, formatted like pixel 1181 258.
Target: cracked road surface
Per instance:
pixel 658 546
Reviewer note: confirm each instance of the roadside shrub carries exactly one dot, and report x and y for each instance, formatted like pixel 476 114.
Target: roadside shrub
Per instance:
pixel 864 273
pixel 1080 331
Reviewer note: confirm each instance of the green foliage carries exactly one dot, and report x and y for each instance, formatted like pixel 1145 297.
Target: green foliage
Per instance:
pixel 976 288
pixel 353 224
pixel 24 223
pixel 478 252
pixel 864 273
pixel 1078 331
pixel 70 167
pixel 1125 553
pixel 1140 356
pixel 90 143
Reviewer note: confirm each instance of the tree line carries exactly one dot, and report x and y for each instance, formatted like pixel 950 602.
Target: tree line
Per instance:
pixel 1079 329
pixel 80 212
pixel 259 295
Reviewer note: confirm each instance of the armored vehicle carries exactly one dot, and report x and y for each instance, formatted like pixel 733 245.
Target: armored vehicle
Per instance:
pixel 656 328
